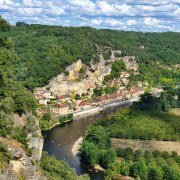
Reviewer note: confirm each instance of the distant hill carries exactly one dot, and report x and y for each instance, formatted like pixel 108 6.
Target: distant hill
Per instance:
pixel 44 50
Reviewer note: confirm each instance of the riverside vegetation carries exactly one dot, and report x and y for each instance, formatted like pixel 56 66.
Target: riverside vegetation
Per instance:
pixel 30 55
pixel 145 120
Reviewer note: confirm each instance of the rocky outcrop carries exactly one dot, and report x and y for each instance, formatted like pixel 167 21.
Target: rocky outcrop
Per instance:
pixel 23 164
pixel 35 140
pixel 130 63
pixel 62 85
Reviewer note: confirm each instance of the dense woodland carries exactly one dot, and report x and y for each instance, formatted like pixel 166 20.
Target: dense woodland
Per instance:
pixel 44 51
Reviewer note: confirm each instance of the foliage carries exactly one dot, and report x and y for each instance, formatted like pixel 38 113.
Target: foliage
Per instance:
pixel 98 91
pixel 4 150
pixel 150 165
pixel 58 170
pixel 6 124
pixel 89 153
pixel 95 148
pixel 4 25
pixel 117 68
pixel 99 136
pixel 164 102
pixel 161 125
pixel 107 157
pixel 46 50
pixel 5 155
pixel 109 90
pixel 47 120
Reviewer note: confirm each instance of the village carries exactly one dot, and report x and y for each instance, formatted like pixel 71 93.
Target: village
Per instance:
pixel 72 93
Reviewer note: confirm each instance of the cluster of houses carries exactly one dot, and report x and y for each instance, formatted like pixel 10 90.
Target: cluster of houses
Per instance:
pixel 59 94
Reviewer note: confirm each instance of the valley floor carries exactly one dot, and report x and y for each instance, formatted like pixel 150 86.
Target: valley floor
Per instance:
pixel 150 145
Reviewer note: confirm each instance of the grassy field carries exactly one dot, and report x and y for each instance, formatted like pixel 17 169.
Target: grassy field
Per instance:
pixel 150 145
pixel 175 111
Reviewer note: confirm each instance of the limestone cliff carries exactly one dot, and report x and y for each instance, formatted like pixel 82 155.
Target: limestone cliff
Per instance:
pixel 24 164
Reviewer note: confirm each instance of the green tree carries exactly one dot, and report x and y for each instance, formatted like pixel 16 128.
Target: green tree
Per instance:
pixel 4 25
pixel 6 124
pixel 155 173
pixel 107 157
pixel 99 136
pixel 124 168
pixel 139 169
pixel 170 173
pixel 24 101
pixel 90 153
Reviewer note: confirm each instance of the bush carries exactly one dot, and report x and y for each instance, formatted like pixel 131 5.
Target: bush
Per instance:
pixel 154 173
pixel 107 157
pixel 90 153
pixel 55 169
pixel 4 150
pixel 99 136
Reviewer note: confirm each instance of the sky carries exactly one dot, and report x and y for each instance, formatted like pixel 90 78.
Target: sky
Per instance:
pixel 129 15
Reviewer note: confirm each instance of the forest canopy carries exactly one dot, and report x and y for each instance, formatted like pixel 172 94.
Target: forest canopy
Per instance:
pixel 44 50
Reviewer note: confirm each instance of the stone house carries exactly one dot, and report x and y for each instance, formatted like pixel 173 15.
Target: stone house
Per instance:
pixel 60 109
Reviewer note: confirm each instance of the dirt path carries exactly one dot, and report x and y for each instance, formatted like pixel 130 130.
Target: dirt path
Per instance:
pixel 147 145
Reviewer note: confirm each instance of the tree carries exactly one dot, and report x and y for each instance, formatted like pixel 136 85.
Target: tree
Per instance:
pixel 156 153
pixel 89 153
pixel 128 154
pixel 6 124
pixel 48 116
pixel 139 169
pixel 169 172
pixel 107 157
pixel 6 43
pixel 4 25
pixel 24 101
pixel 117 68
pixel 155 173
pixel 7 105
pixel 21 24
pixel 124 168
pixel 99 136
pixel 137 154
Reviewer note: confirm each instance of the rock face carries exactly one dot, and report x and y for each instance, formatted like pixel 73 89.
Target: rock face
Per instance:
pixel 21 163
pixel 61 85
pixel 130 63
pixel 35 141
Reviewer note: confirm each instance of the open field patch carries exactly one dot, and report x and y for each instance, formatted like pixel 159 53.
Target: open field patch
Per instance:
pixel 150 145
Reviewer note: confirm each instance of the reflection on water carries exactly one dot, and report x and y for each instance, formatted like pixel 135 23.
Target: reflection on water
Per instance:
pixel 60 140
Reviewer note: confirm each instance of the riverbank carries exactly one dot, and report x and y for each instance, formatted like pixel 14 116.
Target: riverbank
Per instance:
pixel 95 110
pixel 76 146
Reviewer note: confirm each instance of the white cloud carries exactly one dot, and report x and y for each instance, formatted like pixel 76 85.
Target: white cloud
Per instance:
pixel 84 4
pixel 27 2
pixel 141 15
pixel 105 7
pixel 151 21
pixel 131 22
pixel 113 22
pixel 96 22
pixel 177 12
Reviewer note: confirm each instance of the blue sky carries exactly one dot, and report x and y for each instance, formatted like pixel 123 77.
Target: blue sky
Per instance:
pixel 134 15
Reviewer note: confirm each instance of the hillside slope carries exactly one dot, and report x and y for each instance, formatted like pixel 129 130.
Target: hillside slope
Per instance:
pixel 45 50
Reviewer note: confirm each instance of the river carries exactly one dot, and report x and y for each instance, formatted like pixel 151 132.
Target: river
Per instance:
pixel 60 140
